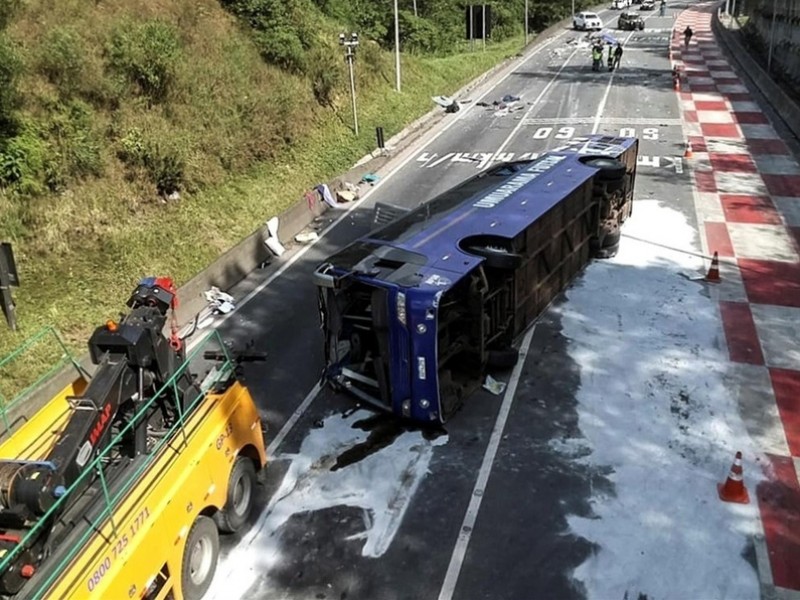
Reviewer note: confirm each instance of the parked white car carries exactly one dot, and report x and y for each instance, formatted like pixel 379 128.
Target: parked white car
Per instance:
pixel 620 4
pixel 586 20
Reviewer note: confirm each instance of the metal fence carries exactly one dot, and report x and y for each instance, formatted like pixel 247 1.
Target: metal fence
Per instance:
pixel 771 30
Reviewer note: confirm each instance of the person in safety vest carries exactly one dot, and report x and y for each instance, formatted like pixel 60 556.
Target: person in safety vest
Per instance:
pixel 597 57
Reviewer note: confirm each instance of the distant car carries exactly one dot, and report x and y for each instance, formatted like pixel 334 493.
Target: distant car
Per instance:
pixel 630 21
pixel 587 20
pixel 647 5
pixel 620 4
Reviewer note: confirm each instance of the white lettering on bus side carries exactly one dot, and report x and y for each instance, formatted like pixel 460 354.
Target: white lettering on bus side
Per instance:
pixel 516 182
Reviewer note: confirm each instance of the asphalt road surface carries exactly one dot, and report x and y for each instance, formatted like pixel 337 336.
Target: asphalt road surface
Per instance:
pixel 469 516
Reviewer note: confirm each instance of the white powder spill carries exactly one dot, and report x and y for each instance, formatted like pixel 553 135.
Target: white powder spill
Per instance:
pixel 381 484
pixel 654 409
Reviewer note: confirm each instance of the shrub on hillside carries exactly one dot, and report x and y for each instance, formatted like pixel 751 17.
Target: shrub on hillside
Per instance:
pixel 74 143
pixel 163 165
pixel 10 70
pixel 23 161
pixel 146 54
pixel 282 30
pixel 419 35
pixel 325 72
pixel 8 8
pixel 62 59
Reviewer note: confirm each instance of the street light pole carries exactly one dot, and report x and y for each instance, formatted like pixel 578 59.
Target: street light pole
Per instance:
pixel 397 46
pixel 771 36
pixel 573 9
pixel 350 55
pixel 526 22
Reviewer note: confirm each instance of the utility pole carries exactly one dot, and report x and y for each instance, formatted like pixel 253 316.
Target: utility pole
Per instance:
pixel 471 30
pixel 483 26
pixel 526 22
pixel 350 46
pixel 397 44
pixel 573 9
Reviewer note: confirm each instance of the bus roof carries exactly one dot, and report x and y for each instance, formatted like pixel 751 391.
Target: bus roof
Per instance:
pixel 501 202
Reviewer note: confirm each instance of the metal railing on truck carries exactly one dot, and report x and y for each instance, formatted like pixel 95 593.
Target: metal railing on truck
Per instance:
pixel 58 360
pixel 220 372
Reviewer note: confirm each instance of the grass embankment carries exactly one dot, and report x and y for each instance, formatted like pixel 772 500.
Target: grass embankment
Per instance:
pixel 248 139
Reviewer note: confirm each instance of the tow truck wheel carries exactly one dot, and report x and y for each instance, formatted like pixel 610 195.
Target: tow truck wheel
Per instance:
pixel 199 558
pixel 239 502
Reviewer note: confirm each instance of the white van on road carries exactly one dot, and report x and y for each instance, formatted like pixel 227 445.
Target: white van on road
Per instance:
pixel 587 20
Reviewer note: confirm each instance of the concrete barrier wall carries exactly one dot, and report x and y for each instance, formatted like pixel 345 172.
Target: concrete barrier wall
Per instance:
pixel 786 107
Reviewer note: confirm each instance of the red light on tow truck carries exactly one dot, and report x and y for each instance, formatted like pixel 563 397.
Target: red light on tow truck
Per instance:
pixel 111 325
pixel 27 571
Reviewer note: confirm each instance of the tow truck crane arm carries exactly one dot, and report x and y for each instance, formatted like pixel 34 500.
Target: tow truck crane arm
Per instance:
pixel 134 358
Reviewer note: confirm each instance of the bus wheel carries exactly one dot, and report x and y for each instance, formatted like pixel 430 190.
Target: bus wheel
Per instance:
pixel 199 558
pixel 497 257
pixel 610 168
pixel 241 493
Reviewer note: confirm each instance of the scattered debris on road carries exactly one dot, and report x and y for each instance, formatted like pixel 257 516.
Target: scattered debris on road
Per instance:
pixel 494 386
pixel 272 242
pixel 450 105
pixel 219 302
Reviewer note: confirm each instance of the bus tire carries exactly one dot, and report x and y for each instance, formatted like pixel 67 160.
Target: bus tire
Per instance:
pixel 603 188
pixel 608 251
pixel 497 258
pixel 199 558
pixel 239 501
pixel 612 239
pixel 502 359
pixel 611 169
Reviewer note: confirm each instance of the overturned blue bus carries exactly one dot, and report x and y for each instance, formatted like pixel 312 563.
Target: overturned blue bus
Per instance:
pixel 415 312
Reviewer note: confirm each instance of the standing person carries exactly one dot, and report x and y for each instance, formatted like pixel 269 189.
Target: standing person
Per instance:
pixel 663 9
pixel 597 57
pixel 617 55
pixel 610 57
pixel 687 36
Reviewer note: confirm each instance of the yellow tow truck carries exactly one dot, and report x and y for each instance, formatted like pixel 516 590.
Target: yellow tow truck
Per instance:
pixel 118 487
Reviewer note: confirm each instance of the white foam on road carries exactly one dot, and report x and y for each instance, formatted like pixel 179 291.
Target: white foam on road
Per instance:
pixel 381 484
pixel 655 412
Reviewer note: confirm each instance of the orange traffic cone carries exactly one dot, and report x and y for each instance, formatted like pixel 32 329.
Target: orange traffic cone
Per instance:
pixel 688 152
pixel 713 271
pixel 733 489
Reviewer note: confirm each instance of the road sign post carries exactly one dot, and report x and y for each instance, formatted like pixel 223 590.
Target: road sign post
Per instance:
pixel 8 278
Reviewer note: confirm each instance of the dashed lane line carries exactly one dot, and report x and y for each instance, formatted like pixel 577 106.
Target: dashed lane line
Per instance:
pixel 471 516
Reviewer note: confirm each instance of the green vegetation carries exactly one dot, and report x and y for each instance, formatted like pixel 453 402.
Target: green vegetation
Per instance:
pixel 108 109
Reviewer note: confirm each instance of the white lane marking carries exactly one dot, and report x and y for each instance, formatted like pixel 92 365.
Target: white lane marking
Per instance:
pixel 602 106
pixel 287 427
pixel 533 105
pixel 467 526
